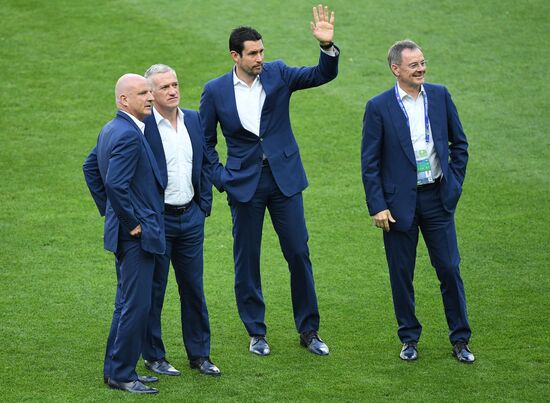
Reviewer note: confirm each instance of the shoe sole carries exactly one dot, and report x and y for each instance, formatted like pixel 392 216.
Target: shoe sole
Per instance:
pixel 258 353
pixel 161 373
pixel 463 361
pixel 145 392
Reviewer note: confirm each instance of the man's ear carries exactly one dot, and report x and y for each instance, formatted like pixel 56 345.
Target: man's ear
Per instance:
pixel 235 56
pixel 123 100
pixel 395 70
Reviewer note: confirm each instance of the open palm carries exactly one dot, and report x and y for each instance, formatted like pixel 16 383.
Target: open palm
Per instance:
pixel 322 26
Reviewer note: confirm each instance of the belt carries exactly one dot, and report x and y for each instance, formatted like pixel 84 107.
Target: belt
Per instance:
pixel 177 210
pixel 265 163
pixel 429 186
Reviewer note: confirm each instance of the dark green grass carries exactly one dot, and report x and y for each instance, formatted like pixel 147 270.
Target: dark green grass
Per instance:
pixel 60 60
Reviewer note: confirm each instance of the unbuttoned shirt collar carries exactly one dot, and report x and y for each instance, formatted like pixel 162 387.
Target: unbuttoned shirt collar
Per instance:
pixel 403 94
pixel 138 122
pixel 238 81
pixel 159 118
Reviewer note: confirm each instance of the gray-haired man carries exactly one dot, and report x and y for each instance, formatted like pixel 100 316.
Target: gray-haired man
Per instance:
pixel 176 139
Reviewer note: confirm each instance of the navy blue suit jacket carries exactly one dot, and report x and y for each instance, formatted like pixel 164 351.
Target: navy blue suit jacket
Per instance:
pixel 200 176
pixel 276 141
pixel 387 156
pixel 126 184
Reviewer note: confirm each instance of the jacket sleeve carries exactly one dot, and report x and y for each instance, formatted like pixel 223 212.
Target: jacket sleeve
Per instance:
pixel 298 78
pixel 209 123
pixel 458 145
pixel 122 166
pixel 371 154
pixel 94 181
pixel 205 179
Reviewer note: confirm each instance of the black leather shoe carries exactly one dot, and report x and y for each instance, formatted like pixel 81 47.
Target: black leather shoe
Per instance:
pixel 205 366
pixel 132 387
pixel 408 352
pixel 462 353
pixel 141 378
pixel 258 345
pixel 147 379
pixel 161 367
pixel 313 342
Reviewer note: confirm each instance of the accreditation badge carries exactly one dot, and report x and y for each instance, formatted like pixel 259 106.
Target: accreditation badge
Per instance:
pixel 423 168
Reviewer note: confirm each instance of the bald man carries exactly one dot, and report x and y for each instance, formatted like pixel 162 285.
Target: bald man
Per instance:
pixel 128 189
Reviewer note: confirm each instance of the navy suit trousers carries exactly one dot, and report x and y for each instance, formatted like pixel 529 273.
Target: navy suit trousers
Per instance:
pixel 135 269
pixel 438 230
pixel 184 248
pixel 287 216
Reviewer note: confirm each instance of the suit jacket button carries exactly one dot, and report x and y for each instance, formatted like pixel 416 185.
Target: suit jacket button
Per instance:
pixel 261 139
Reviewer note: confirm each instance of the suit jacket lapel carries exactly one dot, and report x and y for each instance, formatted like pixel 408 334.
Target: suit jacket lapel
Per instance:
pixel 435 115
pixel 267 86
pixel 152 135
pixel 192 125
pixel 401 128
pixel 228 93
pixel 148 151
pixel 154 164
pixel 124 116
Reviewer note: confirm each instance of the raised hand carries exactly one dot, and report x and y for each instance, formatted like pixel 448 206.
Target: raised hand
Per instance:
pixel 322 26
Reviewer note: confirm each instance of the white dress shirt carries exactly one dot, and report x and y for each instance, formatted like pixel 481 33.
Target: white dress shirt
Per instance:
pixel 415 110
pixel 178 152
pixel 250 100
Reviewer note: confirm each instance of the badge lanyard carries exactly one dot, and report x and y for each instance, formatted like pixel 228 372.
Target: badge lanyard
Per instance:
pixel 426 120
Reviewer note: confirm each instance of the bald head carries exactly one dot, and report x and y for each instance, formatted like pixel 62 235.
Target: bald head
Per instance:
pixel 133 95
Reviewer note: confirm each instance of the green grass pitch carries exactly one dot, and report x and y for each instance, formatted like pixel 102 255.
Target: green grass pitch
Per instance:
pixel 59 61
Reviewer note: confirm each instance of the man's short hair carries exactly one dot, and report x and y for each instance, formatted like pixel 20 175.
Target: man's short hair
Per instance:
pixel 158 69
pixel 394 53
pixel 241 34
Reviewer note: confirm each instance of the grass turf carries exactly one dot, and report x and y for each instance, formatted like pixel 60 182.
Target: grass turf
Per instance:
pixel 60 61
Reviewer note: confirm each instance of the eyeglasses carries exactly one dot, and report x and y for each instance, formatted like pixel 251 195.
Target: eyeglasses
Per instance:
pixel 414 66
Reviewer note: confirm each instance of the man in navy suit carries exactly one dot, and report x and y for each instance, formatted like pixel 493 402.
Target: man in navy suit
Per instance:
pixel 126 185
pixel 413 158
pixel 264 170
pixel 176 139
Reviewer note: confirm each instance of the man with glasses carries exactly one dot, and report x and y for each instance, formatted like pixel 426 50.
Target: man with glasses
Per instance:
pixel 413 156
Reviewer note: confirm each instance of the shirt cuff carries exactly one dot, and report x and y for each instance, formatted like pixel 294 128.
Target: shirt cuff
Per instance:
pixel 331 51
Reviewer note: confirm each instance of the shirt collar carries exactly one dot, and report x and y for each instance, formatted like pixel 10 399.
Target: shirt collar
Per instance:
pixel 404 95
pixel 159 118
pixel 238 81
pixel 138 122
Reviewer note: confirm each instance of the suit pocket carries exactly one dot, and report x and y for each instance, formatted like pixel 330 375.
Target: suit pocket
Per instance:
pixel 290 150
pixel 233 163
pixel 451 189
pixel 149 221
